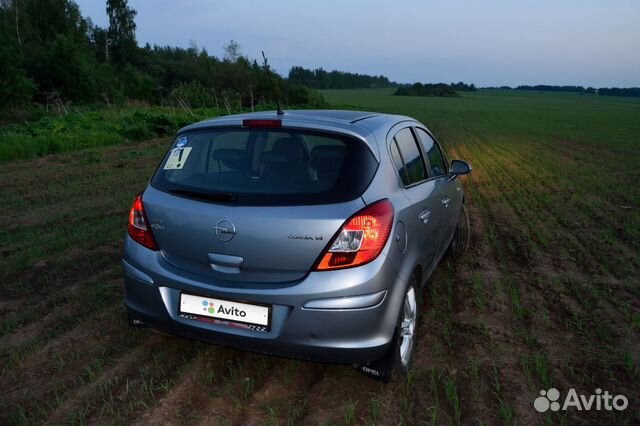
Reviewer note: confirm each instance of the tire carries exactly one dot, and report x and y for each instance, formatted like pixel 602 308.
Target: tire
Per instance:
pixel 398 359
pixel 462 236
pixel 406 330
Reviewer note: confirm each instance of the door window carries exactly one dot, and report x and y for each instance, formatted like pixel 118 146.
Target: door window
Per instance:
pixel 434 154
pixel 410 163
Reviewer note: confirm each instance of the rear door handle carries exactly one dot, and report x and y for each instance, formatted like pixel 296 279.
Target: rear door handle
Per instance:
pixel 424 216
pixel 446 201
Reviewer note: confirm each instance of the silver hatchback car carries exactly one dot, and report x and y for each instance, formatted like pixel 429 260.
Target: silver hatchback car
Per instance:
pixel 308 234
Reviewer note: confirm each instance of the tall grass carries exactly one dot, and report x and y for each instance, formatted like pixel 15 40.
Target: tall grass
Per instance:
pixel 92 129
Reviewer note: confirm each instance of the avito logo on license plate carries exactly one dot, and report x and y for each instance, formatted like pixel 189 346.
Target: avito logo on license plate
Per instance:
pixel 224 309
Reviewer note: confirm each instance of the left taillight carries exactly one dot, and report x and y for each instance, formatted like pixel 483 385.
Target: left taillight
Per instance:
pixel 138 228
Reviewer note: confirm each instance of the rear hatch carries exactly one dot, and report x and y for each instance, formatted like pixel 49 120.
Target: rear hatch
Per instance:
pixel 255 204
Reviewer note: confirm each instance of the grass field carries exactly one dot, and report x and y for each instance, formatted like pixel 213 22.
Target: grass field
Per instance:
pixel 548 296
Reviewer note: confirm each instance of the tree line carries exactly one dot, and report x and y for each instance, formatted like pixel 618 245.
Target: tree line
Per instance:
pixel 612 91
pixel 617 91
pixel 321 79
pixel 51 54
pixel 549 88
pixel 437 89
pixel 442 89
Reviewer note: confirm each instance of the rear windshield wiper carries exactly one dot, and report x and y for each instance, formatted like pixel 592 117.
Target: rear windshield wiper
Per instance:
pixel 212 196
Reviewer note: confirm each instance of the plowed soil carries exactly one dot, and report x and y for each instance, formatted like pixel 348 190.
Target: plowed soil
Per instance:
pixel 547 296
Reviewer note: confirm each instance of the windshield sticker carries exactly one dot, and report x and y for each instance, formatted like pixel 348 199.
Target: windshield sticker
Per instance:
pixel 177 158
pixel 182 141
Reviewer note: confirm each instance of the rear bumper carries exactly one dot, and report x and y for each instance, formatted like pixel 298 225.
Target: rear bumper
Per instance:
pixel 360 333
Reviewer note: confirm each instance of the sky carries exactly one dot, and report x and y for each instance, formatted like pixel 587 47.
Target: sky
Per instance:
pixel 485 42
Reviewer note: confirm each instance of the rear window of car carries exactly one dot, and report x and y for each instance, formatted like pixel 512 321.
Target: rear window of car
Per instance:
pixel 266 166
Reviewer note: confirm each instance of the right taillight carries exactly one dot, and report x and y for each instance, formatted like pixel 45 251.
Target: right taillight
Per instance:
pixel 361 238
pixel 138 228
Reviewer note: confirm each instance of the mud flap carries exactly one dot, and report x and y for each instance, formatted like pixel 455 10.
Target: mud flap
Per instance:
pixel 134 322
pixel 380 369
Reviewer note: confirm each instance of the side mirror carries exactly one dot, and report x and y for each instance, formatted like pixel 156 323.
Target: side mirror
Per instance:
pixel 459 167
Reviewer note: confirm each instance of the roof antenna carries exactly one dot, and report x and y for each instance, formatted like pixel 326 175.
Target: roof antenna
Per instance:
pixel 273 87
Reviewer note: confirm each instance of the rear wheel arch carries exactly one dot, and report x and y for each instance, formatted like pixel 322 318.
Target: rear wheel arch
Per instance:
pixel 414 278
pixel 390 364
pixel 417 275
pixel 462 235
pixel 399 367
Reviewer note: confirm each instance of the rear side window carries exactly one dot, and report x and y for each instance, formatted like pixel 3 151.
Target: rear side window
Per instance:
pixel 266 167
pixel 395 155
pixel 436 159
pixel 409 153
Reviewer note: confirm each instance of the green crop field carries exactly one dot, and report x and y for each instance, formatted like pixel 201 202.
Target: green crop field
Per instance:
pixel 547 296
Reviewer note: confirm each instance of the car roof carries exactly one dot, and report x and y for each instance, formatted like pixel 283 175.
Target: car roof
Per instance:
pixel 356 123
pixel 326 114
pixel 320 116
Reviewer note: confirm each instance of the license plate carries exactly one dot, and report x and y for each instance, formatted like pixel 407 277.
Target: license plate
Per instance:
pixel 226 310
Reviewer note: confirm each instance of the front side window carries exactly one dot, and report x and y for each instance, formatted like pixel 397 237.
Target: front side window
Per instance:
pixel 411 157
pixel 436 159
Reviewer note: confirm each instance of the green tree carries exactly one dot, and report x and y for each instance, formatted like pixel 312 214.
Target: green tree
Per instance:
pixel 122 43
pixel 232 51
pixel 99 38
pixel 47 48
pixel 136 84
pixel 16 89
pixel 70 70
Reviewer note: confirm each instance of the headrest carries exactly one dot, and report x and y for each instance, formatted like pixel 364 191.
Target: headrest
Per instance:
pixel 325 156
pixel 285 150
pixel 328 151
pixel 232 158
pixel 229 154
pixel 275 157
pixel 285 144
pixel 290 147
